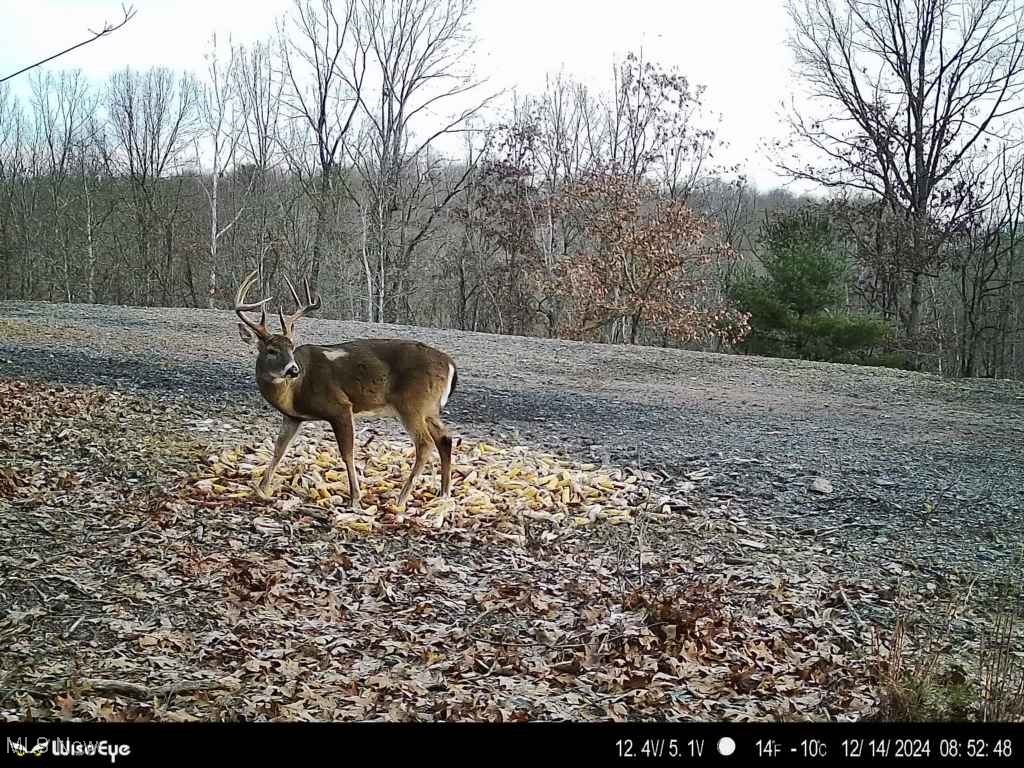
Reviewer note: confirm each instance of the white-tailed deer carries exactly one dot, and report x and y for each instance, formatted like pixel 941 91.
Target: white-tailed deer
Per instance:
pixel 334 383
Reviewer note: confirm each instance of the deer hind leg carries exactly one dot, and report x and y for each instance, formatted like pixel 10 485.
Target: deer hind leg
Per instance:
pixel 443 443
pixel 344 433
pixel 289 428
pixel 422 439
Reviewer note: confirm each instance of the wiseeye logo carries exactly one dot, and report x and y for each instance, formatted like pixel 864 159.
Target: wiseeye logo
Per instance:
pixel 20 747
pixel 67 748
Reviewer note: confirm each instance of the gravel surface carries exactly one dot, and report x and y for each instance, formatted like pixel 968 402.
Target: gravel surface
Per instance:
pixel 925 476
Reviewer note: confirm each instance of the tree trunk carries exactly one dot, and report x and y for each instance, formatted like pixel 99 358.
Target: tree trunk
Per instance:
pixel 90 248
pixel 634 328
pixel 212 288
pixel 320 234
pixel 367 271
pixel 913 320
pixel 382 286
pixel 318 240
pixel 168 286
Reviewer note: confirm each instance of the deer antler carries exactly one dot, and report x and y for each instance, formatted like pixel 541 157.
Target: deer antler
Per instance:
pixel 288 323
pixel 260 329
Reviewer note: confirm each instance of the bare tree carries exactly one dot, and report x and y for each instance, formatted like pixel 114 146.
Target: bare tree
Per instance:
pixel 418 51
pixel 62 108
pixel 259 91
pixel 152 118
pixel 97 203
pixel 467 261
pixel 323 67
pixel 25 172
pixel 731 205
pixel 11 127
pixel 566 126
pixel 907 91
pixel 986 269
pixel 655 126
pixel 221 123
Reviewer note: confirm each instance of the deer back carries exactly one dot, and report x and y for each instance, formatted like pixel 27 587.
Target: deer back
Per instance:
pixel 370 375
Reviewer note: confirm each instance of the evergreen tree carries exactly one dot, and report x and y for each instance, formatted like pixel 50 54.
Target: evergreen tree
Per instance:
pixel 796 305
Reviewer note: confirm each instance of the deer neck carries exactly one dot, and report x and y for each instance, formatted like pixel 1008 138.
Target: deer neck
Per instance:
pixel 282 394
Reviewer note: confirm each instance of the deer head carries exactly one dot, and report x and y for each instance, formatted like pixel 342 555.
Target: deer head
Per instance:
pixel 276 351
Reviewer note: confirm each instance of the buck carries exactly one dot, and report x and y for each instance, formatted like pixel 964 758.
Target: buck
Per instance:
pixel 334 383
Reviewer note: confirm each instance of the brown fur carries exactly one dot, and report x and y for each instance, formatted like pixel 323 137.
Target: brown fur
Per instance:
pixel 336 383
pixel 408 379
pixel 375 373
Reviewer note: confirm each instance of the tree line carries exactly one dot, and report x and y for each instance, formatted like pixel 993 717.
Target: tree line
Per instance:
pixel 357 147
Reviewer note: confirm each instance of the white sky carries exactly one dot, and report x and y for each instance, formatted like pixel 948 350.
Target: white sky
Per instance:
pixel 734 47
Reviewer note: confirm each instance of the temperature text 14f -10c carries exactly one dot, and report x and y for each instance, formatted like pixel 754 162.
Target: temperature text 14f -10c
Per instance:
pixel 807 748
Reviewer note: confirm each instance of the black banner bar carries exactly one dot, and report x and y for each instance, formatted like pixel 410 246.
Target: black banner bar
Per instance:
pixel 144 744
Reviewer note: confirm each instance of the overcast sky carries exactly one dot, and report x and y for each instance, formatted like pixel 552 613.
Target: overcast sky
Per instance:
pixel 734 47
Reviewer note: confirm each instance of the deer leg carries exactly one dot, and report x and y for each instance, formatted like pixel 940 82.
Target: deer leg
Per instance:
pixel 289 428
pixel 422 440
pixel 344 433
pixel 443 443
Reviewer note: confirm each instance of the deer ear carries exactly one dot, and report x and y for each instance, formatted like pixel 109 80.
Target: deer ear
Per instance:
pixel 245 333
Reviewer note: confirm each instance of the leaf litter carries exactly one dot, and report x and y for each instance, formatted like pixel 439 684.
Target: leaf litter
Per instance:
pixel 143 578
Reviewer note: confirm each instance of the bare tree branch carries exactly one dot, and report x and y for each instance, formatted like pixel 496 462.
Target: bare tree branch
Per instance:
pixel 108 28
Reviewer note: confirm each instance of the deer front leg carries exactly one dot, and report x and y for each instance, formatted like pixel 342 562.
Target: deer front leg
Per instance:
pixel 289 428
pixel 344 433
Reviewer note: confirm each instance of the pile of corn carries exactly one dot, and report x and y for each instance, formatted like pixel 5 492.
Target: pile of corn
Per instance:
pixel 494 486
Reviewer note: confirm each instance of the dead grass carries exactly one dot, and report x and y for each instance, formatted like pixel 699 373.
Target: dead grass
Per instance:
pixel 927 676
pixel 1001 660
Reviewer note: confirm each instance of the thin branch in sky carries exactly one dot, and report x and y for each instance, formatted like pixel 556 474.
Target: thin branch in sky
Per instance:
pixel 129 14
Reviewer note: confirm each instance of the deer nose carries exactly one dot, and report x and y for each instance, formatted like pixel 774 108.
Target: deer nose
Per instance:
pixel 291 370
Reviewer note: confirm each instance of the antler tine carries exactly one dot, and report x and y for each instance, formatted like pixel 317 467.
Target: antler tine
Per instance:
pixel 298 302
pixel 309 297
pixel 301 308
pixel 243 289
pixel 240 307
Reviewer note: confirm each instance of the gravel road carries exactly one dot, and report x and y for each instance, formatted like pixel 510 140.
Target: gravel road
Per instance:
pixel 926 474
